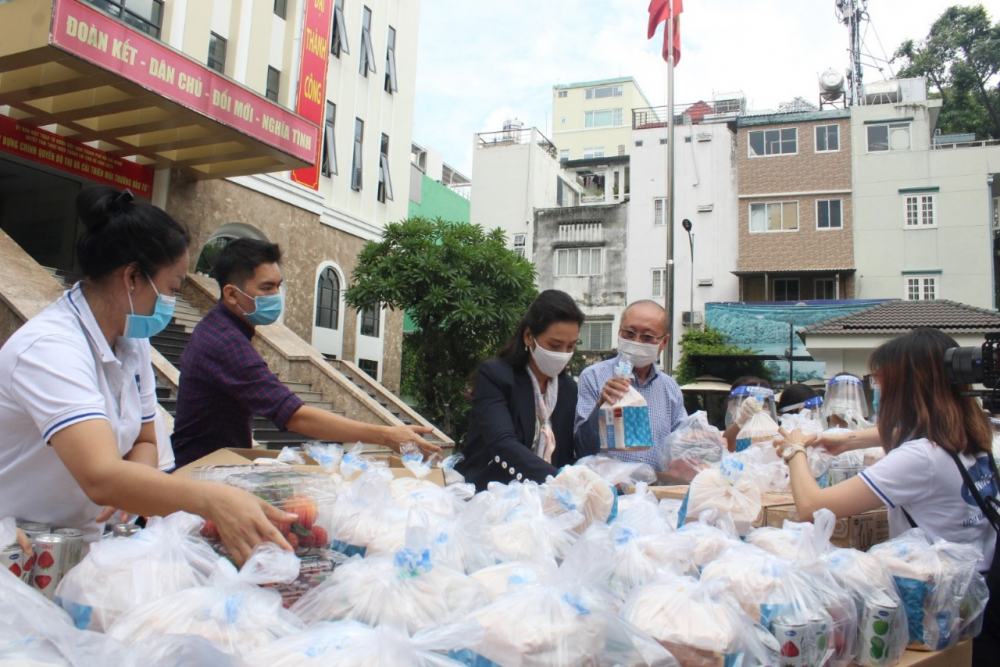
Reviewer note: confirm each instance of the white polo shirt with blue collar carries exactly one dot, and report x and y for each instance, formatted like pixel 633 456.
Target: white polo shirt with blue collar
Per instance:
pixel 56 371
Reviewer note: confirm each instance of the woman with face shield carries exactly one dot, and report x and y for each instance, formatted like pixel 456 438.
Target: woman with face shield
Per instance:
pixel 845 405
pixel 748 396
pixel 523 401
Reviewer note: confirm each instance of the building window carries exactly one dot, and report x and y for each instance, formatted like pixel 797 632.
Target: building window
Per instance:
pixel 328 165
pixel 280 8
pixel 390 62
pixel 595 151
pixel 273 84
pixel 604 91
pixel 370 367
pixel 143 15
pixel 579 261
pixel 659 280
pixel 519 243
pixel 563 154
pixel 825 288
pixel 217 53
pixel 774 217
pixel 829 214
pixel 596 336
pixel 359 133
pixel 763 143
pixel 384 180
pixel 888 137
pixel 921 288
pixel 603 118
pixel 786 289
pixel 367 52
pixel 919 210
pixel 659 211
pixel 370 322
pixel 338 40
pixel 562 93
pixel 827 138
pixel 328 299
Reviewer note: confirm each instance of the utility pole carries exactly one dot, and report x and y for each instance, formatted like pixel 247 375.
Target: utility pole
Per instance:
pixel 668 277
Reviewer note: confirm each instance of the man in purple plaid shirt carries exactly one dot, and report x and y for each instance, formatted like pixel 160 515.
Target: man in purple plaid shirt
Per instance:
pixel 642 336
pixel 225 381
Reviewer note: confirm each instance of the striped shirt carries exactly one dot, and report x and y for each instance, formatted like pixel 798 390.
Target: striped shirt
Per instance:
pixel 666 411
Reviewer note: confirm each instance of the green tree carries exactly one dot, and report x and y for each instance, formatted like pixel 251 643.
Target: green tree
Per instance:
pixel 712 342
pixel 465 291
pixel 960 58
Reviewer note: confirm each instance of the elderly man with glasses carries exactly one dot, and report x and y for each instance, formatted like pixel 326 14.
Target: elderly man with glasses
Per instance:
pixel 642 337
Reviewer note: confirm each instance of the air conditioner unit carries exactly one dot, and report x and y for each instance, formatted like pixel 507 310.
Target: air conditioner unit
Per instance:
pixel 705 282
pixel 706 208
pixel 704 136
pixel 686 318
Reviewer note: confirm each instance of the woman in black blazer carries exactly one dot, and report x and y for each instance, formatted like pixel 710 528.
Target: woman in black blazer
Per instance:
pixel 515 433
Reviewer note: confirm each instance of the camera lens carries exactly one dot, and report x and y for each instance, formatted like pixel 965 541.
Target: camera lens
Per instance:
pixel 963 365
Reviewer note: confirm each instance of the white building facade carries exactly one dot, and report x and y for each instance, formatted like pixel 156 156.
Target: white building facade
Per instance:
pixel 705 193
pixel 924 213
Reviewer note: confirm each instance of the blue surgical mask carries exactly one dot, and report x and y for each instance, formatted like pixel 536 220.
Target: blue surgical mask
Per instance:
pixel 267 308
pixel 147 326
pixel 876 395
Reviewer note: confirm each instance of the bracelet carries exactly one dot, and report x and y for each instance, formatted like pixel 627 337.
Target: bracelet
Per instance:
pixel 789 452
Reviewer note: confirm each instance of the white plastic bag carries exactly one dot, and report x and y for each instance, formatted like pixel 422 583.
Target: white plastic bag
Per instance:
pixel 327 455
pixel 233 611
pixel 761 431
pixel 577 488
pixel 700 623
pixel 123 573
pixel 618 473
pixel 733 489
pixel 694 446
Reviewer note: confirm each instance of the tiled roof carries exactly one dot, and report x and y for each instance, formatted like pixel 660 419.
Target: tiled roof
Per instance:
pixel 896 317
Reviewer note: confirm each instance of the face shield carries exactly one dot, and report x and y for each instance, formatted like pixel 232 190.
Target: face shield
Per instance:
pixel 812 407
pixel 845 404
pixel 739 395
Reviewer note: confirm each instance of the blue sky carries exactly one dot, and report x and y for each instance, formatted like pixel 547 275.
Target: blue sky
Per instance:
pixel 480 62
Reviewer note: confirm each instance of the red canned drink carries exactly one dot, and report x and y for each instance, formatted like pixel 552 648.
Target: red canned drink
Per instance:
pixel 792 641
pixel 15 560
pixel 50 554
pixel 74 546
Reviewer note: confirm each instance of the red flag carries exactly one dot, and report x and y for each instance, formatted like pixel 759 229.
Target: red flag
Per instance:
pixel 660 11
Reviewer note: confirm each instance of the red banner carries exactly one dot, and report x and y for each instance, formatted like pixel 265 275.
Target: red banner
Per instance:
pixel 101 40
pixel 64 154
pixel 311 100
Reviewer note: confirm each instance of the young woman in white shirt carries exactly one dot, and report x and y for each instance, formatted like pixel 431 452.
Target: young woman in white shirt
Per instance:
pixel 77 391
pixel 928 428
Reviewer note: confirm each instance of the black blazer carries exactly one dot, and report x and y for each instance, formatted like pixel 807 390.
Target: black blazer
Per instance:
pixel 502 427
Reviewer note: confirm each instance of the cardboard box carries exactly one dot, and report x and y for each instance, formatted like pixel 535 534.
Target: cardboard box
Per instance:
pixel 859 532
pixel 767 500
pixel 959 655
pixel 232 456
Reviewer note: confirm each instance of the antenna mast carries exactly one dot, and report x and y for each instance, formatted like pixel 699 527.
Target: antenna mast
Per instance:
pixel 853 14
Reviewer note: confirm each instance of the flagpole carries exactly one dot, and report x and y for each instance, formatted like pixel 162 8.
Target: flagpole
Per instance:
pixel 668 25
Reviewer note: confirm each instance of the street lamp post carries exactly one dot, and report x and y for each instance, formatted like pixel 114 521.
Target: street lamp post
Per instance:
pixel 686 224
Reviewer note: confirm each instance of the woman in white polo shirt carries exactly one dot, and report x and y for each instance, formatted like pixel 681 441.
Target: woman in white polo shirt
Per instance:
pixel 939 444
pixel 77 391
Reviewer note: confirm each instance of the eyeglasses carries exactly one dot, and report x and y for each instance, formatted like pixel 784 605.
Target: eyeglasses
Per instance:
pixel 628 334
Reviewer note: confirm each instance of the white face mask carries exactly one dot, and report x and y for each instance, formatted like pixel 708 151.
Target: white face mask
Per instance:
pixel 639 354
pixel 550 363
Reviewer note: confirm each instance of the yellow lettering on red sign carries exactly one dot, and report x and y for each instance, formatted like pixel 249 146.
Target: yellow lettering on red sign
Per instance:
pixel 316 43
pixel 161 70
pixel 87 33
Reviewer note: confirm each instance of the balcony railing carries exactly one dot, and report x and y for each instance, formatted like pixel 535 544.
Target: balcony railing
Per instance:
pixel 515 137
pixel 967 144
pixel 583 232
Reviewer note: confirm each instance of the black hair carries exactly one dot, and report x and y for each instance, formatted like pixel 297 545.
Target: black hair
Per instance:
pixel 751 381
pixel 795 394
pixel 120 231
pixel 549 307
pixel 239 259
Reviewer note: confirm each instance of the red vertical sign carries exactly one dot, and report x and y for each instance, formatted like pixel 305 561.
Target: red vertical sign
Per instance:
pixel 310 102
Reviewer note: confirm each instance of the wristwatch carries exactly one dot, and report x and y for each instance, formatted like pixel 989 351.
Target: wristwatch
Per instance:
pixel 789 452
